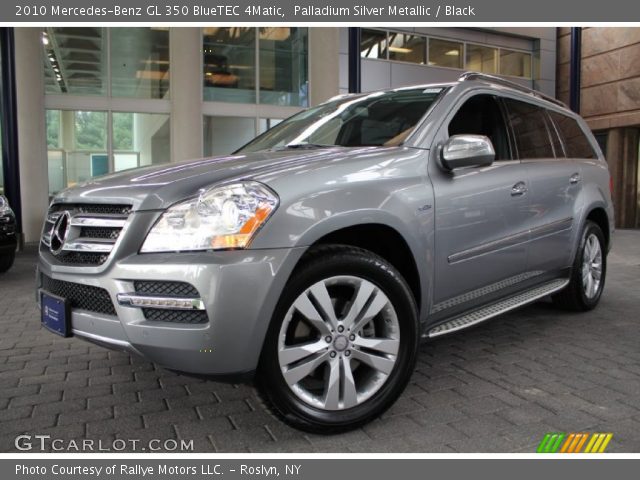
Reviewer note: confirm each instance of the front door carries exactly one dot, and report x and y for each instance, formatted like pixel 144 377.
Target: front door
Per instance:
pixel 481 213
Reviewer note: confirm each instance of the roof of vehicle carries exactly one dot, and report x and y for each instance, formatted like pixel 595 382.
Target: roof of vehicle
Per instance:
pixel 488 80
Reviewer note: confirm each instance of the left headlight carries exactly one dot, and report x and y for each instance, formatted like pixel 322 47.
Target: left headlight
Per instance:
pixel 223 217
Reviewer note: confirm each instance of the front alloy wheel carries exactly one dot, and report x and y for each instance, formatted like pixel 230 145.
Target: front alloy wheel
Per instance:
pixel 339 342
pixel 343 341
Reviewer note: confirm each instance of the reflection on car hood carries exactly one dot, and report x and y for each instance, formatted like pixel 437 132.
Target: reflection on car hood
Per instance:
pixel 157 187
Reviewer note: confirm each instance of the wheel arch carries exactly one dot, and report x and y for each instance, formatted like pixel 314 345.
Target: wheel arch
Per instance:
pixel 599 216
pixel 384 241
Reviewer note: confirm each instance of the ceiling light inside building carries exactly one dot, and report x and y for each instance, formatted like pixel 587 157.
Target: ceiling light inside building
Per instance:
pixel 400 49
pixel 150 74
pixel 275 33
pixel 453 53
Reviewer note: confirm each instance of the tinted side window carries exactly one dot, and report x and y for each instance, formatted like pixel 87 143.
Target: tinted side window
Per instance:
pixel 575 141
pixel 481 115
pixel 530 130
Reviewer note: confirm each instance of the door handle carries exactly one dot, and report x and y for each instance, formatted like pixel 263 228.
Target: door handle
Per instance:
pixel 518 189
pixel 575 178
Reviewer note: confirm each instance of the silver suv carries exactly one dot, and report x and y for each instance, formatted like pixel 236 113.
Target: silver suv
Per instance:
pixel 318 256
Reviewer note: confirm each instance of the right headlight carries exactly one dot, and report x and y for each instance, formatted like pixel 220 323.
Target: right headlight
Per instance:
pixel 222 217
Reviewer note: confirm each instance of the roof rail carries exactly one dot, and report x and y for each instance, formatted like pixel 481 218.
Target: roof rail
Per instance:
pixel 507 83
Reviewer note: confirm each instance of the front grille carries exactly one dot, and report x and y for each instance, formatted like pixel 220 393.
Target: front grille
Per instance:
pixel 100 232
pixel 82 258
pixel 165 289
pixel 94 230
pixel 97 208
pixel 175 316
pixel 83 297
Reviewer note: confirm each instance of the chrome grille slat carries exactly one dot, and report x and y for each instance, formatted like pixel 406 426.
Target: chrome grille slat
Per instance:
pixel 98 245
pixel 93 232
pixel 94 220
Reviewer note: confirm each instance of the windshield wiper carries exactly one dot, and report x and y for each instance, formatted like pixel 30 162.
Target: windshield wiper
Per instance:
pixel 305 146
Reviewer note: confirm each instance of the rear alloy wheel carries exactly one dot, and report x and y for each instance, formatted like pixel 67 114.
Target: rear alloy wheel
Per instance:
pixel 588 273
pixel 592 266
pixel 343 342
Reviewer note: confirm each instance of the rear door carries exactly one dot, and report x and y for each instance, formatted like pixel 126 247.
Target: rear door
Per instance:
pixel 554 184
pixel 481 213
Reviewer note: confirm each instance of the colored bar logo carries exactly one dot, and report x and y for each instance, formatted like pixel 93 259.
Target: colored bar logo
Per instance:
pixel 574 443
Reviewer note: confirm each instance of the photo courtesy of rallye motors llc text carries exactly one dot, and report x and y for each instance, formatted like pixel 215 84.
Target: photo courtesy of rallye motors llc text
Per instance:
pixel 143 471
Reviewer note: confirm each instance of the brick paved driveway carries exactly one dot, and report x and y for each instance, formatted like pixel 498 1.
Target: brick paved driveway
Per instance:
pixel 495 388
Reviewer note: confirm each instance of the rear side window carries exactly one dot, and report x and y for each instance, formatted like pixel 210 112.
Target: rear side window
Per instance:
pixel 575 141
pixel 529 129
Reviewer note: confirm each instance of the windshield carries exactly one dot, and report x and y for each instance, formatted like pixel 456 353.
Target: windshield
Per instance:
pixel 376 119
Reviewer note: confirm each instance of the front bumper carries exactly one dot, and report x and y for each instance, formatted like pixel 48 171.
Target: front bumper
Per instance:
pixel 239 290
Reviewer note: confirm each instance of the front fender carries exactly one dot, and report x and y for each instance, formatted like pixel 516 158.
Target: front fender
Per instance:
pixel 403 203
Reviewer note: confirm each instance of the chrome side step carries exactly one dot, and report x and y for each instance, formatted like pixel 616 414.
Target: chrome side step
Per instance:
pixel 495 309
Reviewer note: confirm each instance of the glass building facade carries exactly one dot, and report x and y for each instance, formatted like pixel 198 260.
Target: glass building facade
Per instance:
pixel 448 53
pixel 108 93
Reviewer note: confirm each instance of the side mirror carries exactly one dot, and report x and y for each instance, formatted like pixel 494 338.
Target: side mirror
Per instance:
pixel 467 151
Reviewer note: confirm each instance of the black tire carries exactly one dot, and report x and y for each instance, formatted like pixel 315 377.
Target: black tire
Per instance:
pixel 6 262
pixel 322 263
pixel 573 297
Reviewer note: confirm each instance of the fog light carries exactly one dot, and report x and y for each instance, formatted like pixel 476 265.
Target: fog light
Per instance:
pixel 169 303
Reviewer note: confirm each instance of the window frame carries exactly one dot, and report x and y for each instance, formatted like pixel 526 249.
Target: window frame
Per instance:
pixel 503 114
pixel 558 135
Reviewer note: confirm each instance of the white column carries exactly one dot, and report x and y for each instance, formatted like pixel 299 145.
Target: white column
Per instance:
pixel 186 93
pixel 34 181
pixel 324 65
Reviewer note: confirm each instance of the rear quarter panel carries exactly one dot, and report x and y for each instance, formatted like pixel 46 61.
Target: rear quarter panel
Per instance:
pixel 595 192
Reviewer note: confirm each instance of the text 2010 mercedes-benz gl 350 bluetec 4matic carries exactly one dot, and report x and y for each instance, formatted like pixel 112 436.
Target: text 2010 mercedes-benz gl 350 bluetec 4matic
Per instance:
pixel 314 259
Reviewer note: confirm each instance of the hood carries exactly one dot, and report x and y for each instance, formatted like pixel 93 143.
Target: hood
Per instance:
pixel 158 187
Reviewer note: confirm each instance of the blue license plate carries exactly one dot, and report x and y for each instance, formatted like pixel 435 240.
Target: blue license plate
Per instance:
pixel 55 314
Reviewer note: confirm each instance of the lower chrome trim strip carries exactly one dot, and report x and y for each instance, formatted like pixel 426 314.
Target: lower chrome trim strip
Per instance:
pixel 511 240
pixel 106 341
pixel 488 247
